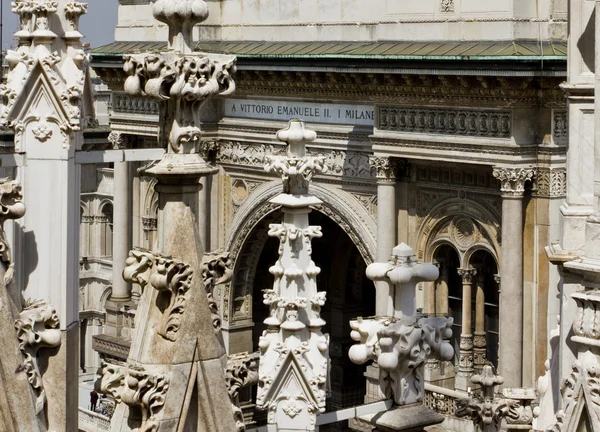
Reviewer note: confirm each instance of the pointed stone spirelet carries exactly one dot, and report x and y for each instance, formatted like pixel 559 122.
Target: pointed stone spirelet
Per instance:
pixel 294 353
pixel 402 342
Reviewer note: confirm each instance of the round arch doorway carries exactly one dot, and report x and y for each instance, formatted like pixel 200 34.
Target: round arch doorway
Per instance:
pixel 349 295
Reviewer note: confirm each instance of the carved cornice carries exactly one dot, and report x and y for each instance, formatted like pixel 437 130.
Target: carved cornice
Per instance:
pixel 512 180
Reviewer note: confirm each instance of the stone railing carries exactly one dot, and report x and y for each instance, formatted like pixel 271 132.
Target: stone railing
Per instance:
pixel 441 400
pixel 92 422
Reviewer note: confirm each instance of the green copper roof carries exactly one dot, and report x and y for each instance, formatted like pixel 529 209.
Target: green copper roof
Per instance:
pixel 499 50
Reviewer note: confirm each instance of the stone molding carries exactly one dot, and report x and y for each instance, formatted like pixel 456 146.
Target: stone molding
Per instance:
pixel 512 180
pixel 492 124
pixel 170 277
pixel 117 348
pixel 417 89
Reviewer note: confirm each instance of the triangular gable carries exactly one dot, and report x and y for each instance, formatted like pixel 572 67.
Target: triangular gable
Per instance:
pixel 581 412
pixel 290 369
pixel 38 85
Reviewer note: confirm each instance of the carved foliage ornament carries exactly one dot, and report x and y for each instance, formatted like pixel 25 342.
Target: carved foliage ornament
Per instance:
pixel 401 349
pixel 216 268
pixel 512 180
pixel 241 372
pixel 384 168
pixel 137 388
pixel 172 278
pixel 37 327
pixel 183 82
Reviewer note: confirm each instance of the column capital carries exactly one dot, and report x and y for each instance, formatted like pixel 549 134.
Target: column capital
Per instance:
pixel 512 179
pixel 384 168
pixel 467 275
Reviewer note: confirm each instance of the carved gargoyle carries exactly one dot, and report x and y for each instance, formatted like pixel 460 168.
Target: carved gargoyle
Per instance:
pixel 37 327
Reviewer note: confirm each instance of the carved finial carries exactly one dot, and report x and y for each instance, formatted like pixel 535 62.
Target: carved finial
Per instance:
pixel 181 16
pixel 296 169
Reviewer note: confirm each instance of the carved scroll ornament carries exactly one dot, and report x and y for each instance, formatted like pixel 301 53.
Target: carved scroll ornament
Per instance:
pixel 11 207
pixel 241 372
pixel 172 278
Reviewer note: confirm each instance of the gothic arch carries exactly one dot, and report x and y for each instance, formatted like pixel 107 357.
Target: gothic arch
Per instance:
pixel 338 205
pixel 150 199
pixel 104 297
pixel 465 224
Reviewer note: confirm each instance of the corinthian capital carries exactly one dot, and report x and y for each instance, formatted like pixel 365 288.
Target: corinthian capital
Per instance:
pixel 384 168
pixel 467 275
pixel 512 180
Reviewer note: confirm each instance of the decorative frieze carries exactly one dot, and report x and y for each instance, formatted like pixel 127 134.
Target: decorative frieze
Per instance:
pixel 560 126
pixel 37 327
pixel 491 124
pixel 447 5
pixel 172 278
pixel 512 180
pixel 550 182
pixel 137 388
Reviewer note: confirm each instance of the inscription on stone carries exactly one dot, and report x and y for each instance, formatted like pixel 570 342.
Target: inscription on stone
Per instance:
pixel 362 115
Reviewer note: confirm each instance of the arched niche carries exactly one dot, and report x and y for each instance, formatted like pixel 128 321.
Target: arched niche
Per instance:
pixel 338 205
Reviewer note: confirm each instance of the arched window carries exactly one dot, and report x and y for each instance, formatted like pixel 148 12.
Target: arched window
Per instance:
pixel 106 230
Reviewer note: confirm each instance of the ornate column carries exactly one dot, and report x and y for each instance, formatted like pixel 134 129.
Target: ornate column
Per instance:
pixel 174 378
pixel 121 290
pixel 385 169
pixel 294 353
pixel 403 342
pixel 479 340
pixel 465 365
pixel 512 185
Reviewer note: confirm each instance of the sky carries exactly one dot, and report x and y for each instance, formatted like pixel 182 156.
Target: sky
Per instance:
pixel 98 25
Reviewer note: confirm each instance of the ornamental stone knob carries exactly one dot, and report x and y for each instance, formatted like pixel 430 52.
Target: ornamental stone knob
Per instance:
pixel 181 16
